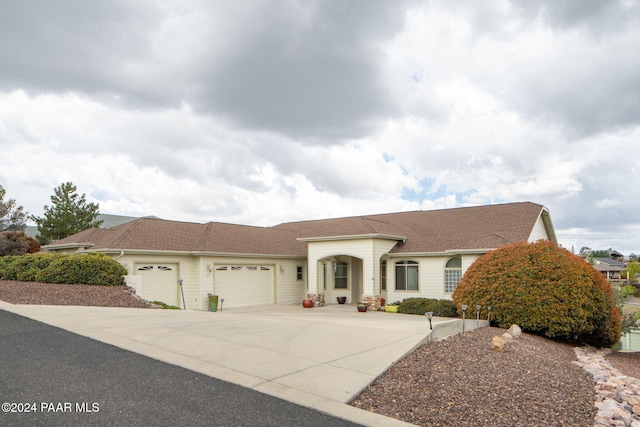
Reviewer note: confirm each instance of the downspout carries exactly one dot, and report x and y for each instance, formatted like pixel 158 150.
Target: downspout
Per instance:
pixel 120 256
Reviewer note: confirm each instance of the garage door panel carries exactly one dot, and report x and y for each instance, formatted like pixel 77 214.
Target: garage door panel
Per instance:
pixel 159 282
pixel 244 285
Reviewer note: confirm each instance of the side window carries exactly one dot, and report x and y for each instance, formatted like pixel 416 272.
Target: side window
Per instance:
pixel 340 275
pixel 383 275
pixel 452 274
pixel 298 272
pixel 406 276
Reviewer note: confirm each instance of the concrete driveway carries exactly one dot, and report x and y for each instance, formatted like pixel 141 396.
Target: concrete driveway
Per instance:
pixel 319 357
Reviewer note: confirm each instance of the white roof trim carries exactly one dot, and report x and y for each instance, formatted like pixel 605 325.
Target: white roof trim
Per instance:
pixel 479 251
pixel 352 237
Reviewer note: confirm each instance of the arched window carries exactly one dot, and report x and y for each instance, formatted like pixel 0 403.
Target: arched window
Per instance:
pixel 452 274
pixel 406 276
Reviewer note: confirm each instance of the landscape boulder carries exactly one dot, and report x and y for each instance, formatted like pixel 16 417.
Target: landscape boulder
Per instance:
pixel 498 344
pixel 515 331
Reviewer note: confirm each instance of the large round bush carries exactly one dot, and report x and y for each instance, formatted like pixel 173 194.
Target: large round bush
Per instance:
pixel 87 269
pixel 545 290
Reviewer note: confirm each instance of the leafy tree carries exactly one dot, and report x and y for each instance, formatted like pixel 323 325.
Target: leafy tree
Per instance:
pixel 633 268
pixel 585 250
pixel 601 253
pixel 12 217
pixel 69 214
pixel 17 243
pixel 544 289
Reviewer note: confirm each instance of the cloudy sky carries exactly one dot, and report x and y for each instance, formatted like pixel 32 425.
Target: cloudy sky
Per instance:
pixel 261 112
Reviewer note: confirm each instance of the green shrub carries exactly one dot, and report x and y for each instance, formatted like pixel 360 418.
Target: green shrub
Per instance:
pixel 28 266
pixel 628 291
pixel 440 308
pixel 5 261
pixel 545 290
pixel 165 306
pixel 88 269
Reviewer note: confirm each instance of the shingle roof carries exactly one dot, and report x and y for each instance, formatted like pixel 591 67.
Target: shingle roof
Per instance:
pixel 477 227
pixel 481 227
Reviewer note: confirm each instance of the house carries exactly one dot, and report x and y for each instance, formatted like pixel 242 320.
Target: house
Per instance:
pixel 612 270
pixel 631 340
pixel 363 258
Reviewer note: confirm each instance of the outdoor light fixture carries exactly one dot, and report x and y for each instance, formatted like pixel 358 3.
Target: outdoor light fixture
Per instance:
pixel 429 315
pixel 489 315
pixel 464 311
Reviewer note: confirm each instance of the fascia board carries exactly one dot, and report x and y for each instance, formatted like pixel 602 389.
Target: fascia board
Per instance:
pixel 352 237
pixel 53 246
pixel 191 253
pixel 478 251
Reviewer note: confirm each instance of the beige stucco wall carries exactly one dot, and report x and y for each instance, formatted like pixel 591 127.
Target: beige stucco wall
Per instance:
pixel 430 276
pixel 198 272
pixel 368 250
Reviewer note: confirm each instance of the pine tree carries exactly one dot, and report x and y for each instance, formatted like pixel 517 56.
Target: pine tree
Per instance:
pixel 12 217
pixel 68 214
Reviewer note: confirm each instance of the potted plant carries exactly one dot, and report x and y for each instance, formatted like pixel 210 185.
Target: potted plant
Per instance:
pixel 341 300
pixel 362 307
pixel 307 303
pixel 392 307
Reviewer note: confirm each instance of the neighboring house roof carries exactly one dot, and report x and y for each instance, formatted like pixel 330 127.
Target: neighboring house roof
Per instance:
pixel 608 264
pixel 108 221
pixel 481 227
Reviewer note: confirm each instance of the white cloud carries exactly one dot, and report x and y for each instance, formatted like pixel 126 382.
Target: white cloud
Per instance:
pixel 249 113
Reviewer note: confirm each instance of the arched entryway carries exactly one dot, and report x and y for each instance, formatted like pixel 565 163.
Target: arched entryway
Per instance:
pixel 341 276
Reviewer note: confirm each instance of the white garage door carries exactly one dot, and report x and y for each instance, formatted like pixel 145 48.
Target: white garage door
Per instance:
pixel 159 283
pixel 244 284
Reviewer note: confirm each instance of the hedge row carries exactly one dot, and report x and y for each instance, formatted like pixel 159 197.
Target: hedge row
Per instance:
pixel 439 307
pixel 87 269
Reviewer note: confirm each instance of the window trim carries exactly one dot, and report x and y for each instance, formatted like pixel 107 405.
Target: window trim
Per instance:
pixel 405 265
pixel 345 277
pixel 448 271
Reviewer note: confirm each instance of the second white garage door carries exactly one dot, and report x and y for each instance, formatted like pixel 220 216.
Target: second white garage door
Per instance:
pixel 242 285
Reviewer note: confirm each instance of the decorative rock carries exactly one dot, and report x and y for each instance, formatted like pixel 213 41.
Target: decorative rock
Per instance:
pixel 374 302
pixel 318 299
pixel 498 344
pixel 617 395
pixel 507 337
pixel 515 331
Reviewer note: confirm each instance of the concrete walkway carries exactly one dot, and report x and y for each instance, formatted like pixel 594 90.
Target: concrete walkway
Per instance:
pixel 319 358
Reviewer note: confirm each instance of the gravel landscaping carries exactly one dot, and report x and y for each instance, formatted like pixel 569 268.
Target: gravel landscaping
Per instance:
pixel 461 381
pixel 455 382
pixel 54 294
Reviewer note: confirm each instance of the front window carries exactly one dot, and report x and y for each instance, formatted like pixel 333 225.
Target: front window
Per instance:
pixel 340 275
pixel 406 276
pixel 298 272
pixel 452 274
